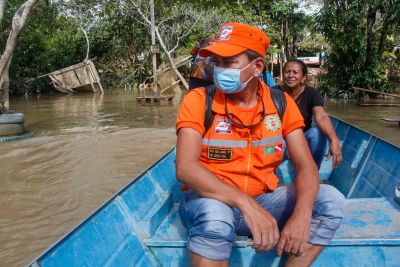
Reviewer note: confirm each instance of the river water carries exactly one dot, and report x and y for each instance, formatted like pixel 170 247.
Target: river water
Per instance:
pixel 85 148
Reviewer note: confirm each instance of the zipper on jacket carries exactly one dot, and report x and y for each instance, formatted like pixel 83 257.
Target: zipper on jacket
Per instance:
pixel 246 182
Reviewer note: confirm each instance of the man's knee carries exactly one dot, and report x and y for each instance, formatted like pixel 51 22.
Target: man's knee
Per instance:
pixel 207 217
pixel 327 215
pixel 212 232
pixel 213 219
pixel 195 209
pixel 217 230
pixel 330 201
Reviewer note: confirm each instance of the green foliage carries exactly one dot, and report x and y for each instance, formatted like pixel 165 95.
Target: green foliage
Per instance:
pixel 343 23
pixel 120 40
pixel 47 43
pixel 307 52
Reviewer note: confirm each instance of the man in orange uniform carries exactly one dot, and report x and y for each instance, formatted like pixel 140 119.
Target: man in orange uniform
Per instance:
pixel 228 172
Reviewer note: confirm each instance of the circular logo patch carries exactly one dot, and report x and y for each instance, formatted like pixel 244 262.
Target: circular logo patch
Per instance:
pixel 272 123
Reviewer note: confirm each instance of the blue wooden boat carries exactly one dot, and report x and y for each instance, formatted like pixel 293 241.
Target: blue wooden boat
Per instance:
pixel 139 226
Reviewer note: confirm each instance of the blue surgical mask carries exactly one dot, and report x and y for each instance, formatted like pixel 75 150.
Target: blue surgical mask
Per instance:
pixel 228 80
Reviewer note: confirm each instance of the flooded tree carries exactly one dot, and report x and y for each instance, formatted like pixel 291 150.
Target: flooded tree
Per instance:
pixel 17 24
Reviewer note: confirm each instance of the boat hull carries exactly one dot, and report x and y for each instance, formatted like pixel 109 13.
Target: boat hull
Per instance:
pixel 140 226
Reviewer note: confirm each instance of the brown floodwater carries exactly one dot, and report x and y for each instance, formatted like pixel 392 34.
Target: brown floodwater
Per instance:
pixel 84 149
pixel 369 118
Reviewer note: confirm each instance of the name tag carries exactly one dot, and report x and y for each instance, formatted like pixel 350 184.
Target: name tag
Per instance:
pixel 220 153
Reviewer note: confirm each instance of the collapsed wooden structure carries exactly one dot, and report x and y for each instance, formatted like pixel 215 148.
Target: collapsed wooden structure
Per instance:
pixel 81 77
pixel 362 94
pixel 167 83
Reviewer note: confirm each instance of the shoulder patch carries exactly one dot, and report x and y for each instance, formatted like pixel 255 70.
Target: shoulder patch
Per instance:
pixel 272 123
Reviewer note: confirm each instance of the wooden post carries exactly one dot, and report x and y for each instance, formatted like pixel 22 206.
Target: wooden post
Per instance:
pixel 272 64
pixel 153 44
pixel 89 75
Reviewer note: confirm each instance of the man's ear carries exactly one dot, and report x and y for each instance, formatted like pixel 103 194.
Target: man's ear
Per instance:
pixel 303 81
pixel 260 63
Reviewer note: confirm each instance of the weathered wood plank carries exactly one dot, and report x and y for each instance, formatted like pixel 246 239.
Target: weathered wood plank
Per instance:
pixel 394 119
pixel 379 104
pixel 155 98
pixel 359 89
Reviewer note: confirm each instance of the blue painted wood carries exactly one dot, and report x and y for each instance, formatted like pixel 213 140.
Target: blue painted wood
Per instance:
pixel 164 174
pixel 286 171
pixel 140 225
pixel 149 224
pixel 380 173
pixel 98 241
pixel 354 148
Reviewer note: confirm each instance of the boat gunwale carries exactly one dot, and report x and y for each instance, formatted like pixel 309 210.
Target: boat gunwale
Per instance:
pixel 333 243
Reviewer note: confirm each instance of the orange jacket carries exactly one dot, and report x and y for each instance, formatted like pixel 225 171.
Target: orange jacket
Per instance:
pixel 241 157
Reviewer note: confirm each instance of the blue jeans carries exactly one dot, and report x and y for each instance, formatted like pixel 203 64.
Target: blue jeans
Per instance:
pixel 213 225
pixel 317 142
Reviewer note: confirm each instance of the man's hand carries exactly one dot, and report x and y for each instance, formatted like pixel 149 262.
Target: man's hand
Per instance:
pixel 262 225
pixel 295 234
pixel 336 152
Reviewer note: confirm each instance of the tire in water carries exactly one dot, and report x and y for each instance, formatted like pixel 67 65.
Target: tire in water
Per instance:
pixel 12 118
pixel 11 129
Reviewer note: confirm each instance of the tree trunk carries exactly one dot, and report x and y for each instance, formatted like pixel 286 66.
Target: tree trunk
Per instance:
pixel 5 89
pixel 18 23
pixel 382 39
pixel 87 43
pixel 171 60
pixel 370 46
pixel 282 62
pixel 2 8
pixel 294 48
pixel 286 36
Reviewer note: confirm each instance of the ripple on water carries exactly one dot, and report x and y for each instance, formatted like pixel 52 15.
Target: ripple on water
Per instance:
pixel 53 182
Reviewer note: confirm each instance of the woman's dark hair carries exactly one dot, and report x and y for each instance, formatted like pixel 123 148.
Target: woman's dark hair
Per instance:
pixel 303 65
pixel 205 42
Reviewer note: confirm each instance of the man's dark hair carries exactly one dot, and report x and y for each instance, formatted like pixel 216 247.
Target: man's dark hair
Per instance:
pixel 303 65
pixel 252 55
pixel 205 42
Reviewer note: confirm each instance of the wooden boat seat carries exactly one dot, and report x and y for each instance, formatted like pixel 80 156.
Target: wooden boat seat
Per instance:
pixel 286 171
pixel 367 221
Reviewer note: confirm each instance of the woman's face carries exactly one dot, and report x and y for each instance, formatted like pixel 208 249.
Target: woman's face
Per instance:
pixel 293 75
